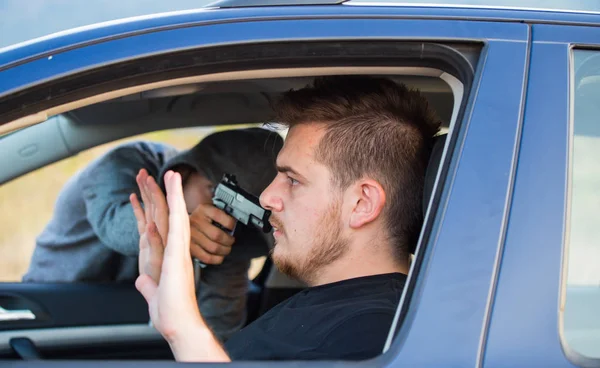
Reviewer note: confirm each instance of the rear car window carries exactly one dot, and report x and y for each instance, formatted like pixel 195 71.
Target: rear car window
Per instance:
pixel 581 318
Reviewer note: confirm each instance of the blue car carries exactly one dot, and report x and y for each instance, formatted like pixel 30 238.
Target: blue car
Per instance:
pixel 507 269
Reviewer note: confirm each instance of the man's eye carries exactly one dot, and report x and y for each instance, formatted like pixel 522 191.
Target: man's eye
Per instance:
pixel 292 180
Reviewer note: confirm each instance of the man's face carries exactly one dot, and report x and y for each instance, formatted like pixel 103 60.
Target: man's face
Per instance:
pixel 197 190
pixel 306 207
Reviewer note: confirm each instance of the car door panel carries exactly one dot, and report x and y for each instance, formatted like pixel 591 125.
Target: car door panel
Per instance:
pixel 66 305
pixel 79 320
pixel 453 291
pixel 527 302
pixel 131 341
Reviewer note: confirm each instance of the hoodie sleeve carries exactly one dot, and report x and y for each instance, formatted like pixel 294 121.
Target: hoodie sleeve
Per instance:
pixel 106 189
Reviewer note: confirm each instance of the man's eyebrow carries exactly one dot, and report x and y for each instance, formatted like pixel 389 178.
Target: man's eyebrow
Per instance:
pixel 287 169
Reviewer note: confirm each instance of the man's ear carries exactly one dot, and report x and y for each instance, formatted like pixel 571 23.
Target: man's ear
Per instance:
pixel 368 201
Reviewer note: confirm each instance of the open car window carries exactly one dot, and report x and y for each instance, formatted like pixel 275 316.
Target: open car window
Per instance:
pixel 270 287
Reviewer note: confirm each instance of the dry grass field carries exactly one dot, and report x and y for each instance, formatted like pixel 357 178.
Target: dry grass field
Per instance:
pixel 27 202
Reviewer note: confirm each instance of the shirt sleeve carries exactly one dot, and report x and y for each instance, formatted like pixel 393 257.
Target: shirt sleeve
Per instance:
pixel 359 337
pixel 106 188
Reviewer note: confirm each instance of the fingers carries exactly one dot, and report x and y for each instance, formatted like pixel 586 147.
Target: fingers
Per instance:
pixel 200 239
pixel 141 178
pixel 217 215
pixel 153 264
pixel 178 240
pixel 143 256
pixel 202 219
pixel 146 286
pixel 160 209
pixel 155 205
pixel 206 227
pixel 205 257
pixel 209 233
pixel 138 212
pixel 209 243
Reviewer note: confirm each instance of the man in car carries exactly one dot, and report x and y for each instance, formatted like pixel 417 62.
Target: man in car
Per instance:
pixel 346 207
pixel 92 236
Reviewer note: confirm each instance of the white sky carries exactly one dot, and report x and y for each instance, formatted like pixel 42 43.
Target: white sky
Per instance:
pixel 22 20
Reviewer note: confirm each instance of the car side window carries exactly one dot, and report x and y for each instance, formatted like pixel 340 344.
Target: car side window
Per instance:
pixel 28 202
pixel 581 320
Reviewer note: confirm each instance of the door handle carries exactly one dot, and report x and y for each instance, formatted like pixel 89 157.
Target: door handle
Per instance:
pixel 15 315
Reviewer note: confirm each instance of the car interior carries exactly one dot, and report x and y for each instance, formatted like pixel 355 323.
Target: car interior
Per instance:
pixel 67 323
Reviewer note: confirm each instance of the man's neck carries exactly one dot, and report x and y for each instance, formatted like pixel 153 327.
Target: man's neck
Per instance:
pixel 360 262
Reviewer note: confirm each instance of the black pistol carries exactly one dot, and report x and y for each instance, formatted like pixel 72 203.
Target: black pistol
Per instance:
pixel 239 204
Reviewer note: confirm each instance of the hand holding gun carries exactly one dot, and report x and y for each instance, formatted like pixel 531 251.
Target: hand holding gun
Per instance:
pixel 239 204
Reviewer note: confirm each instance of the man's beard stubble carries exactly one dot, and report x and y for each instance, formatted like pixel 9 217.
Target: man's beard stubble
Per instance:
pixel 328 246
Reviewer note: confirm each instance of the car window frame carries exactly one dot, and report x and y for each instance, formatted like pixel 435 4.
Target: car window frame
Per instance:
pixel 459 33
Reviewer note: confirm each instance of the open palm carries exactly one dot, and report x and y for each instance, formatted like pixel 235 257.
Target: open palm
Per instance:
pixel 166 275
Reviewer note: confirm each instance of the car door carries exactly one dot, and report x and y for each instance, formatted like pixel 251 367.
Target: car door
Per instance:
pixel 447 297
pixel 545 310
pixel 444 319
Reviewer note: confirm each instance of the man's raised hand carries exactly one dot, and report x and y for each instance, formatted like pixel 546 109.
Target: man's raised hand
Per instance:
pixel 171 299
pixel 152 218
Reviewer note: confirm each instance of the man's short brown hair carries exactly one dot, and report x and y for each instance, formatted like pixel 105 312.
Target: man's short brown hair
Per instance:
pixel 374 128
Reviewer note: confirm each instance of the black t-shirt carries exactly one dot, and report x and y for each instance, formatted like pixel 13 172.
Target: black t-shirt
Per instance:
pixel 348 319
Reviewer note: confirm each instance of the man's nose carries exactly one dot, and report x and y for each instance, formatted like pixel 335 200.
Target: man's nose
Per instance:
pixel 270 200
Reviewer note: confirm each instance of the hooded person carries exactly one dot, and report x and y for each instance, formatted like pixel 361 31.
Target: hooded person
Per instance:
pixel 92 235
pixel 248 154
